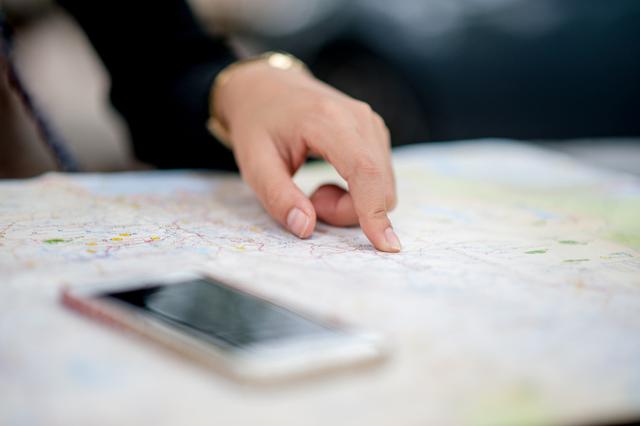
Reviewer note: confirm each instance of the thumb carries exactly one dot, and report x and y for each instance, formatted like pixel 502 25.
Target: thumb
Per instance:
pixel 266 172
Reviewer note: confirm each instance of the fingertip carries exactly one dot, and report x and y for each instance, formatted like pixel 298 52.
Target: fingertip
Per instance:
pixel 300 222
pixel 392 240
pixel 381 234
pixel 386 241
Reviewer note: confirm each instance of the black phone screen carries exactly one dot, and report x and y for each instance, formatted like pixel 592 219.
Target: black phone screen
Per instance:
pixel 230 318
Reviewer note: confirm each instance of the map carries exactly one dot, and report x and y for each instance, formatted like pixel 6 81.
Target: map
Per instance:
pixel 515 299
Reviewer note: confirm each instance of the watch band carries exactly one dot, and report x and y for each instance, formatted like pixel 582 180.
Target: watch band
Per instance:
pixel 279 60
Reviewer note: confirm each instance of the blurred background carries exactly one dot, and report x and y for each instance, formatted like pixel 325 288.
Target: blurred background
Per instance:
pixel 562 73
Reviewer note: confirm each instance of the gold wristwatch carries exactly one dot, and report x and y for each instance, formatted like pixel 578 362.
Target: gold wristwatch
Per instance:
pixel 278 60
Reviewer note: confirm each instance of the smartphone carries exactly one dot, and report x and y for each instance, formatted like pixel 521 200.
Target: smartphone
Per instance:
pixel 237 333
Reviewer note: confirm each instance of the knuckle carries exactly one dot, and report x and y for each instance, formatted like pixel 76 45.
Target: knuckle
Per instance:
pixel 383 126
pixel 362 108
pixel 327 107
pixel 378 213
pixel 366 165
pixel 380 122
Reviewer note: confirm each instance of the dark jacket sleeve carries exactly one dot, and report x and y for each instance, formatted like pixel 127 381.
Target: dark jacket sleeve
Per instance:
pixel 161 66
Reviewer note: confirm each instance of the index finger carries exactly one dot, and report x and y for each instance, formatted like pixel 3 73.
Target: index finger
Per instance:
pixel 367 181
pixel 363 166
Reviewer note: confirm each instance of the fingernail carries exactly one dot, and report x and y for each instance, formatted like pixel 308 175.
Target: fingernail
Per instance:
pixel 392 239
pixel 297 221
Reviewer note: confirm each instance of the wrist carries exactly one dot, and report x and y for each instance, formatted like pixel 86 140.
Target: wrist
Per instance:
pixel 235 84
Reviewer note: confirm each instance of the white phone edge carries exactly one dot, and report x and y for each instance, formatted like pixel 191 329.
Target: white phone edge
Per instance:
pixel 265 363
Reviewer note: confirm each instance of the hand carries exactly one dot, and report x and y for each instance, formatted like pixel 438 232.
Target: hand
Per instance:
pixel 276 118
